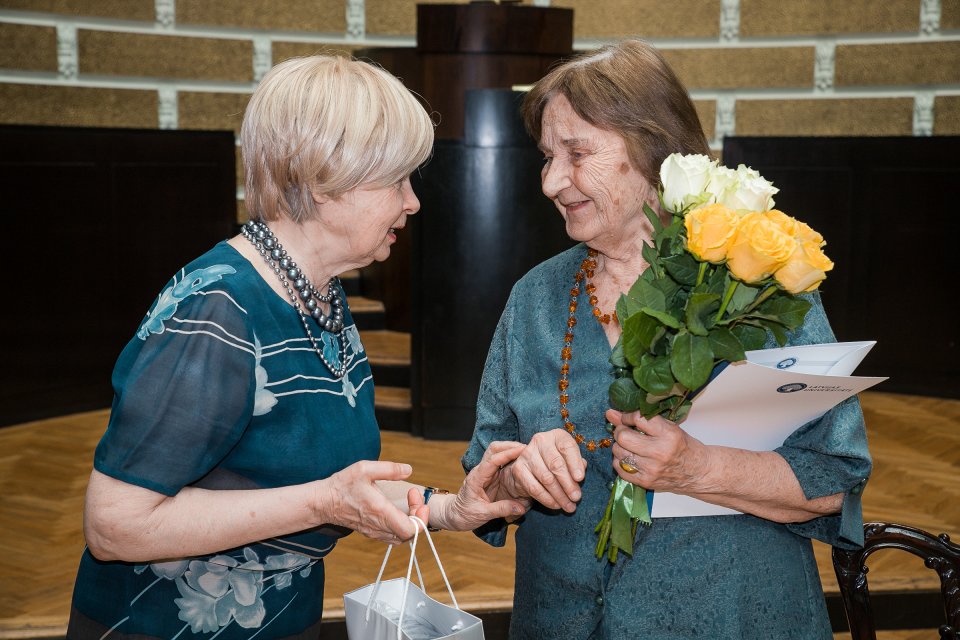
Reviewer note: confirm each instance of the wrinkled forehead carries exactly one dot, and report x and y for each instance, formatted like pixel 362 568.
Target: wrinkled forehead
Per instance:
pixel 562 127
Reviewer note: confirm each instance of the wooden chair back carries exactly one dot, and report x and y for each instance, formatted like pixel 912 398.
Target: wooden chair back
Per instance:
pixel 938 553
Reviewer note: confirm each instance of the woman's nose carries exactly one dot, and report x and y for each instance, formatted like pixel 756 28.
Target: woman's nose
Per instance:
pixel 554 178
pixel 411 204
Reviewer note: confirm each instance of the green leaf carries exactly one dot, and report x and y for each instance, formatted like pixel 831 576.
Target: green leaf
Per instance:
pixel 650 254
pixel 647 295
pixel 625 395
pixel 790 311
pixel 653 218
pixel 638 334
pixel 700 308
pixel 683 268
pixel 668 287
pixel 617 359
pixel 742 297
pixel 682 411
pixel 663 317
pixel 751 337
pixel 627 307
pixel 779 333
pixel 654 376
pixel 671 237
pixel 725 345
pixel 691 360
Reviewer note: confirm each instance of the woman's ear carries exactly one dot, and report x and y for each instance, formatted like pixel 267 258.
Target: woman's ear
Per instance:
pixel 319 199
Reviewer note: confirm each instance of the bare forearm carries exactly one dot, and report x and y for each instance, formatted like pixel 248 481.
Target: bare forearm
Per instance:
pixel 123 522
pixel 760 483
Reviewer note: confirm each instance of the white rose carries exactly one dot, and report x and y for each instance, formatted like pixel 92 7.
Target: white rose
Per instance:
pixel 722 180
pixel 683 179
pixel 753 193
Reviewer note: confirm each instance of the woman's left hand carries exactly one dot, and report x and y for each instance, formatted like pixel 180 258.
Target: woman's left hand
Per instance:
pixel 665 457
pixel 475 503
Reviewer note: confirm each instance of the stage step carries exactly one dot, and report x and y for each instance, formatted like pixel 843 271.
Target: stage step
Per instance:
pixel 389 355
pixel 367 313
pixel 350 281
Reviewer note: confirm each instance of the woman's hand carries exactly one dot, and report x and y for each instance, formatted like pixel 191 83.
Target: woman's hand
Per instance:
pixel 548 470
pixel 476 503
pixel 351 499
pixel 665 457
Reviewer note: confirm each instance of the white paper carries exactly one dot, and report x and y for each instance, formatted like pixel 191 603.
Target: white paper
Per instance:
pixel 755 404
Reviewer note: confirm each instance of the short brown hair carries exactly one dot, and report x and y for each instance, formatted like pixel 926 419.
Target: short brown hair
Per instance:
pixel 627 88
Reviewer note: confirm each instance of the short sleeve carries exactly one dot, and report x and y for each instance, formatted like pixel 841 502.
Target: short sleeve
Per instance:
pixel 829 455
pixel 183 394
pixel 495 419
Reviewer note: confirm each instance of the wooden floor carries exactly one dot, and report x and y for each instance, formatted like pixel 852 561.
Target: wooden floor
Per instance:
pixel 44 468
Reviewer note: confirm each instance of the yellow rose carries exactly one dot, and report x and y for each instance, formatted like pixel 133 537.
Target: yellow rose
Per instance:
pixel 806 268
pixel 799 230
pixel 806 234
pixel 759 248
pixel 710 230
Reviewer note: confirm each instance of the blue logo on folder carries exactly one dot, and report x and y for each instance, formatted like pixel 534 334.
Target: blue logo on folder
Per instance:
pixel 786 364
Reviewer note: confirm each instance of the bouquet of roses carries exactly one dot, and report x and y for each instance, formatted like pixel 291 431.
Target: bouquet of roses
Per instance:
pixel 724 271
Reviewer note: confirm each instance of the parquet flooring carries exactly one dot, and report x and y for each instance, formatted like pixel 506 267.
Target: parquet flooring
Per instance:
pixel 44 468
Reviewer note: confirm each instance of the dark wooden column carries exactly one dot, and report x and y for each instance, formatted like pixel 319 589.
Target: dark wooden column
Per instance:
pixel 478 45
pixel 483 221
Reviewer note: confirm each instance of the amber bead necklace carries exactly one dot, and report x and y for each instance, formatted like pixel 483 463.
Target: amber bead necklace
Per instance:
pixel 583 276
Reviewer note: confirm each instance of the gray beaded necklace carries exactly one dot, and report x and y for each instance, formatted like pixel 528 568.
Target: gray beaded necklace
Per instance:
pixel 299 288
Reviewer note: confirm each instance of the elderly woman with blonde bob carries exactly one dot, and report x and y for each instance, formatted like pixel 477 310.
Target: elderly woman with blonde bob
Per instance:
pixel 605 122
pixel 242 441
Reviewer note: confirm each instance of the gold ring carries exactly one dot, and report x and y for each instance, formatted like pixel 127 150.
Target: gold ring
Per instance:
pixel 627 466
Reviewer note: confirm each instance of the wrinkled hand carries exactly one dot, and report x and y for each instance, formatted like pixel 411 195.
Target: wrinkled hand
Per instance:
pixel 476 503
pixel 548 470
pixel 351 499
pixel 665 456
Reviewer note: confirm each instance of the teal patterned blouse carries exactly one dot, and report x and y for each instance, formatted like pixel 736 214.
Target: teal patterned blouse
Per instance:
pixel 221 389
pixel 718 577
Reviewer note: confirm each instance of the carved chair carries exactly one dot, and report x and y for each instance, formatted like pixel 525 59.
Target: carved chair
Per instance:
pixel 938 553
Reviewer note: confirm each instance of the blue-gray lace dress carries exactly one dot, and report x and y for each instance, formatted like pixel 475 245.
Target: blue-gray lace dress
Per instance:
pixel 719 577
pixel 221 389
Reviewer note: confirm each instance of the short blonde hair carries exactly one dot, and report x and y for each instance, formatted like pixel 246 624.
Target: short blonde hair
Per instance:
pixel 627 88
pixel 324 125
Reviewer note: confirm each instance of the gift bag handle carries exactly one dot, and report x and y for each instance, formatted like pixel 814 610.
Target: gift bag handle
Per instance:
pixel 406 585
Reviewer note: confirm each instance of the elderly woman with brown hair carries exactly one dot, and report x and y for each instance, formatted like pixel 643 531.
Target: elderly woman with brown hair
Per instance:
pixel 605 122
pixel 242 442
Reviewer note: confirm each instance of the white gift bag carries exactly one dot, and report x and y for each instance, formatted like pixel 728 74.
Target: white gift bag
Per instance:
pixel 399 609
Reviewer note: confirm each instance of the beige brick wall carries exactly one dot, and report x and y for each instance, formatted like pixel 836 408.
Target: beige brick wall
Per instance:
pixel 827 117
pixel 947 122
pixel 644 18
pixel 77 106
pixel 161 56
pixel 397 17
pixel 819 17
pixel 950 14
pixel 116 9
pixel 28 48
pixel 286 50
pixel 324 16
pixel 207 110
pixel 903 64
pixel 802 67
pixel 751 67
